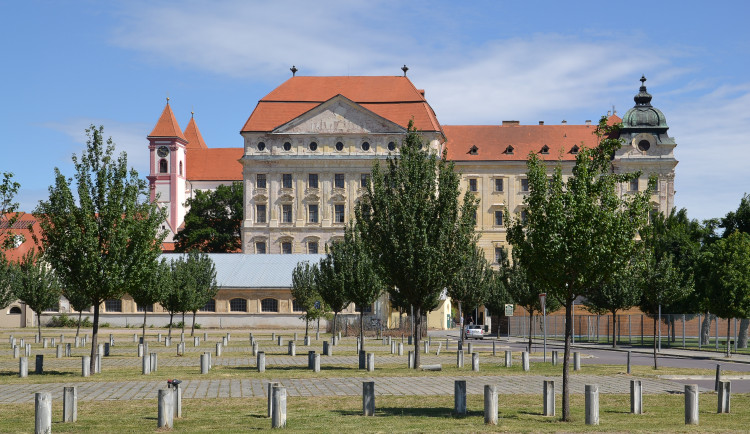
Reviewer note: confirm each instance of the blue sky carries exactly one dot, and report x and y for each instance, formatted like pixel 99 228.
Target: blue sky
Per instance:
pixel 69 64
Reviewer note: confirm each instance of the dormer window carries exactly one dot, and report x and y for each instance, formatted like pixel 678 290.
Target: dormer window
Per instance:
pixel 261 146
pixel 365 146
pixel 474 150
pixel 313 146
pixel 287 146
pixel 545 150
pixel 574 150
pixel 508 150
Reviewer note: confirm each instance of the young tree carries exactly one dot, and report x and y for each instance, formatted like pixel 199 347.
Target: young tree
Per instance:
pixel 36 284
pixel 330 282
pixel 470 285
pixel 6 290
pixel 621 292
pixel 304 291
pixel 147 293
pixel 739 221
pixel 526 294
pixel 173 297
pixel 102 233
pixel 414 223
pixel 213 222
pixel 204 286
pixel 578 233
pixel 728 265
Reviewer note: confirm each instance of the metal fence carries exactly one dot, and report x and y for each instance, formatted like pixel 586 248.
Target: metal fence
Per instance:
pixel 674 330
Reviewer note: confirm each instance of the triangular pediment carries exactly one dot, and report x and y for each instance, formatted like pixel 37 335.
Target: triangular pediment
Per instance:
pixel 339 115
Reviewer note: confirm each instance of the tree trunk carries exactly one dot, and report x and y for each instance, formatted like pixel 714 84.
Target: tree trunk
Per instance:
pixel 94 339
pixel 307 324
pixel 192 326
pixel 144 324
pixel 183 322
pixel 729 331
pixel 362 330
pixel 171 317
pixel 461 325
pixel 705 329
pixel 417 334
pixel 78 330
pixel 742 337
pixel 531 321
pixel 39 324
pixel 614 329
pixel 656 363
pixel 566 361
pixel 333 329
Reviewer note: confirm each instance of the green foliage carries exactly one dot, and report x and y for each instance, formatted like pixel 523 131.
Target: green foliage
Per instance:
pixel 737 220
pixel 191 285
pixel 6 291
pixel 180 324
pixel 330 281
pixel 63 320
pixel 305 292
pixel 150 292
pixel 101 234
pixel 497 292
pixel 579 233
pixel 727 262
pixel 414 224
pixel 36 284
pixel 8 208
pixel 525 293
pixel 469 287
pixel 213 222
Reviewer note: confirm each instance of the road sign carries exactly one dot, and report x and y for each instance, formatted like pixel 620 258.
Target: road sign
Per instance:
pixel 543 299
pixel 508 310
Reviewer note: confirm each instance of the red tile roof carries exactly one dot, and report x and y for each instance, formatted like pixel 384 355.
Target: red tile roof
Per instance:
pixel 193 136
pixel 394 98
pixel 26 225
pixel 167 125
pixel 214 164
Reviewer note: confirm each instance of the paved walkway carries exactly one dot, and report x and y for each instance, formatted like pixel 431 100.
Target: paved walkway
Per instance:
pixel 346 386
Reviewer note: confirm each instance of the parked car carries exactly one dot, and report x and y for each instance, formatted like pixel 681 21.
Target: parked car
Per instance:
pixel 474 331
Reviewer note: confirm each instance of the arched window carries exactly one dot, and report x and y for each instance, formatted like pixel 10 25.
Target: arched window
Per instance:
pixel 269 305
pixel 180 167
pixel 238 305
pixel 162 166
pixel 210 306
pixel 113 305
pixel 15 310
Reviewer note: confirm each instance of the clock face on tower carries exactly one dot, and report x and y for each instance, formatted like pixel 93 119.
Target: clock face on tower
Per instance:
pixel 163 151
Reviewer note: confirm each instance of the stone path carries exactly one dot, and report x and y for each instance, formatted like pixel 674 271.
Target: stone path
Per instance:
pixel 346 386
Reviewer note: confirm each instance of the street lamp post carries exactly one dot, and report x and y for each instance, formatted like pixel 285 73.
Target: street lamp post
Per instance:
pixel 542 301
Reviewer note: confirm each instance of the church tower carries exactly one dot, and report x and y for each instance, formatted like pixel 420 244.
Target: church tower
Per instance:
pixel 167 177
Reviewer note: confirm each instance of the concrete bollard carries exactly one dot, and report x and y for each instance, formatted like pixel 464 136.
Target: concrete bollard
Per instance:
pixel 470 347
pixel 210 360
pixel 494 350
pixel 62 339
pixel 45 342
pixel 154 362
pixel 368 398
pixel 196 341
pixel 28 350
pixel 295 336
pixel 636 397
pixel 182 336
pixel 85 366
pixel 490 404
pixel 525 361
pixel 370 362
pixel 145 365
pixel 261 361
pixel 98 364
pixel 475 362
pixel 317 336
pixel 42 412
pixel 278 417
pixel 724 396
pixel 111 340
pixel 576 361
pixel 205 336
pixel 167 341
pixel 460 358
pixel 68 352
pixel 459 397
pixel 409 342
pixel 447 341
pixel 36 339
pixel 229 337
pixel 204 363
pixel 336 340
pixel 270 385
pixel 691 404
pixel 548 395
pixel 23 367
pixel 39 365
pixel 165 417
pixel 362 360
pixel 310 357
pixel 255 348
pixel 426 347
pixel 400 348
pixel 440 347
pixel 292 350
pixel 555 358
pixel 70 404
pixel 224 341
pixel 106 349
pixel 718 378
pixel 140 350
pixel 280 341
pixel 327 350
pixel 180 348
pixel 316 363
pixel 359 346
pixel 135 338
pixel 628 363
pixel 16 351
pixel 307 341
pixel 508 358
pixel 273 338
pixel 394 348
pixel 218 349
pixel 390 340
pixel 52 342
pixel 76 342
pixel 158 337
pixel 59 352
pixel 592 404
pixel 100 349
pixel 410 362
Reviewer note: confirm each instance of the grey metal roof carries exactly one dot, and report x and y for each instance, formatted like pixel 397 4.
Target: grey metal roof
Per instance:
pixel 238 270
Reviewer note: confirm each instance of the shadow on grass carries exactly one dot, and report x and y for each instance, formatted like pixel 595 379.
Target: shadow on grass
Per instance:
pixel 440 412
pixel 301 368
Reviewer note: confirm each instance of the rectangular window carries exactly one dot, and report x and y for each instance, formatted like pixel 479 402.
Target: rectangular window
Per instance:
pixel 634 184
pixel 286 247
pixel 260 180
pixel 364 180
pixel 473 184
pixel 286 213
pixel 286 180
pixel 498 254
pixel 260 213
pixel 498 218
pixel 524 216
pixel 312 247
pixel 260 247
pixel 149 308
pixel 525 184
pixel 498 184
pixel 312 180
pixel 475 218
pixel 312 213
pixel 338 213
pixel 338 180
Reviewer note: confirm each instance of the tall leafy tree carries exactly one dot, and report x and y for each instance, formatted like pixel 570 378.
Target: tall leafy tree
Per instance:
pixel 415 225
pixel 498 294
pixel 150 292
pixel 621 292
pixel 526 294
pixel 470 285
pixel 100 230
pixel 578 233
pixel 739 221
pixel 331 283
pixel 213 222
pixel 304 291
pixel 6 290
pixel 203 284
pixel 8 215
pixel 36 284
pixel 728 280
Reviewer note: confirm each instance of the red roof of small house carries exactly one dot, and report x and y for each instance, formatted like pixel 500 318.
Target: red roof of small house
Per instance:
pixel 25 226
pixel 394 98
